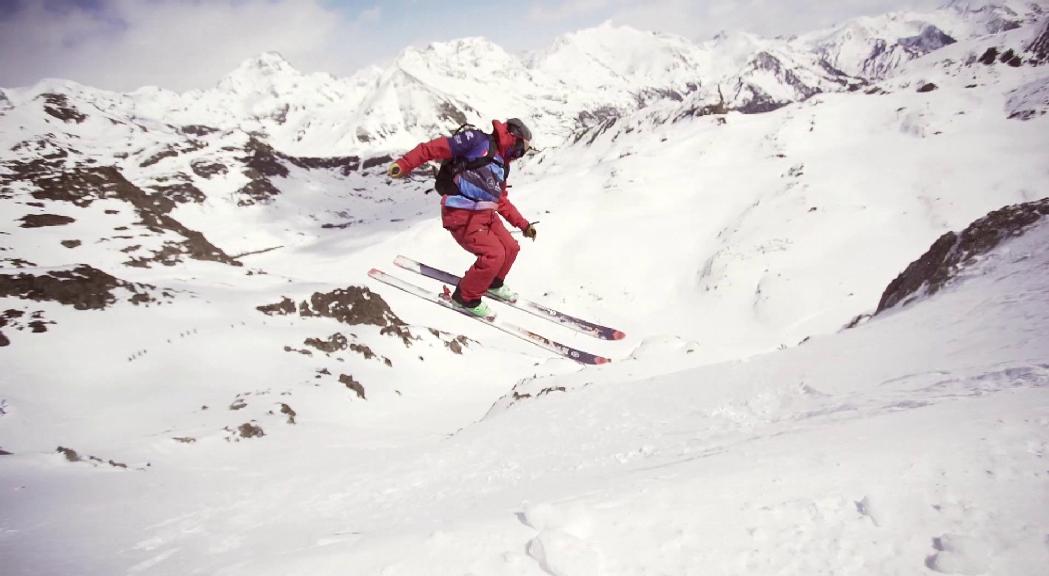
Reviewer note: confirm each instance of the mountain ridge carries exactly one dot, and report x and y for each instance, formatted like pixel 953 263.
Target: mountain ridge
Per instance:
pixel 557 89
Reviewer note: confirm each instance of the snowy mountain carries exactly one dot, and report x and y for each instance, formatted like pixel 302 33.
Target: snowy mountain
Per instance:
pixel 829 260
pixel 583 78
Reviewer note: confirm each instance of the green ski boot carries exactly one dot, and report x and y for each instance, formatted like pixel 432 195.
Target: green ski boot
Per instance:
pixel 481 311
pixel 503 293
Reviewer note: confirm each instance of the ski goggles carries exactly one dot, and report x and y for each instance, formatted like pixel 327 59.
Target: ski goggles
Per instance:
pixel 520 148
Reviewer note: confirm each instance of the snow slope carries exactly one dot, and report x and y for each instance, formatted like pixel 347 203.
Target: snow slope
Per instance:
pixel 157 421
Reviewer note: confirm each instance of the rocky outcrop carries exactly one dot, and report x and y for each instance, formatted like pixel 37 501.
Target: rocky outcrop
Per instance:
pixel 931 38
pixel 262 163
pixel 1028 101
pixel 44 220
pixel 352 384
pixel 83 287
pixel 354 305
pixel 20 320
pixel 953 252
pixel 1039 47
pixel 58 106
pixel 83 185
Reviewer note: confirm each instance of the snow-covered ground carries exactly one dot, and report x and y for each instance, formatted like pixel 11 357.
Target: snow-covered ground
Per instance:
pixel 739 429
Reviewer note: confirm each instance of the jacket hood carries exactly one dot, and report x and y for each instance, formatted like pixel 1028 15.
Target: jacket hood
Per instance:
pixel 504 139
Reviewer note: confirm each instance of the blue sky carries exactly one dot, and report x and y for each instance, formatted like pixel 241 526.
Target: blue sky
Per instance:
pixel 183 44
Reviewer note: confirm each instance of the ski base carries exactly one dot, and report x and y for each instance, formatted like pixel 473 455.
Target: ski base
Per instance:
pixel 512 329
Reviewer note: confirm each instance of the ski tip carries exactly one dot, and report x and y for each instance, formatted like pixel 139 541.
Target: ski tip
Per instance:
pixel 601 360
pixel 374 271
pixel 618 335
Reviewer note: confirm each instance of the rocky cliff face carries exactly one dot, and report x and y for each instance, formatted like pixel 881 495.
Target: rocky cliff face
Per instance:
pixel 1039 47
pixel 953 253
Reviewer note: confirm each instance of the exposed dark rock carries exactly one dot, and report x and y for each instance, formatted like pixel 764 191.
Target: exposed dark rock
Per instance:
pixel 70 243
pixel 589 118
pixel 258 191
pixel 927 87
pixel 182 193
pixel 169 153
pixel 207 169
pixel 184 439
pixel 399 331
pixel 82 186
pixel 282 308
pixel 197 130
pixel 83 288
pixel 285 409
pixel 345 164
pixel 377 161
pixel 58 106
pixel 238 404
pixel 1039 47
pixel 72 456
pixel 353 305
pixel 249 430
pixel 368 354
pixel 760 104
pixel 719 108
pixel 1029 101
pixel 953 252
pixel 69 453
pixel 930 39
pixel 352 385
pixel 261 164
pixel 449 112
pixel 1011 58
pixel 280 116
pixel 456 345
pixel 42 220
pixel 335 343
pixel 767 62
pixel 18 263
pixel 989 56
pixel 262 159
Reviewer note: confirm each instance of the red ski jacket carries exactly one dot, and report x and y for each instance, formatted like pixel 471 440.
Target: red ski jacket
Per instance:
pixel 448 148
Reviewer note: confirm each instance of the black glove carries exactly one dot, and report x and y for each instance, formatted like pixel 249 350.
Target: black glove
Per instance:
pixel 530 232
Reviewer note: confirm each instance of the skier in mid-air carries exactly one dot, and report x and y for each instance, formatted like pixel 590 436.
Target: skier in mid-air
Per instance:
pixel 472 184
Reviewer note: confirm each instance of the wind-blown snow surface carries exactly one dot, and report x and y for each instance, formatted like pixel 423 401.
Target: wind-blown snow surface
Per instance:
pixel 915 442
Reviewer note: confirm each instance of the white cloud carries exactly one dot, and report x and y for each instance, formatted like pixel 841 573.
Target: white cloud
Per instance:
pixel 182 44
pixel 124 44
pixel 700 20
pixel 560 11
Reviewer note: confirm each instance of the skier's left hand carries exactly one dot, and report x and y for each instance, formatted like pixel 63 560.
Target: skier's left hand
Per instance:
pixel 529 232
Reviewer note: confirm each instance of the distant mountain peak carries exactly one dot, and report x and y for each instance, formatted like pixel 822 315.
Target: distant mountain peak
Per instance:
pixel 263 69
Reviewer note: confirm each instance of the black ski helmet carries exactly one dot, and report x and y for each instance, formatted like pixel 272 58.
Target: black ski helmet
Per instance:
pixel 516 127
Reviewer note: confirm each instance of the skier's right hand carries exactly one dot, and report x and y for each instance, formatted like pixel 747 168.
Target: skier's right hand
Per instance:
pixel 394 171
pixel 530 232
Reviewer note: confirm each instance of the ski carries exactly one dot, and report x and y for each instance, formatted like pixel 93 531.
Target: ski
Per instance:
pixel 512 329
pixel 566 320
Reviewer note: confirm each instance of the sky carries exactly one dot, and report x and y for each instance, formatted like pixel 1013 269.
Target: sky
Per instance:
pixel 185 44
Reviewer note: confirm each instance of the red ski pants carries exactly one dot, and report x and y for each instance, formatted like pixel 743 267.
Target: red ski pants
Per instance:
pixel 482 234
